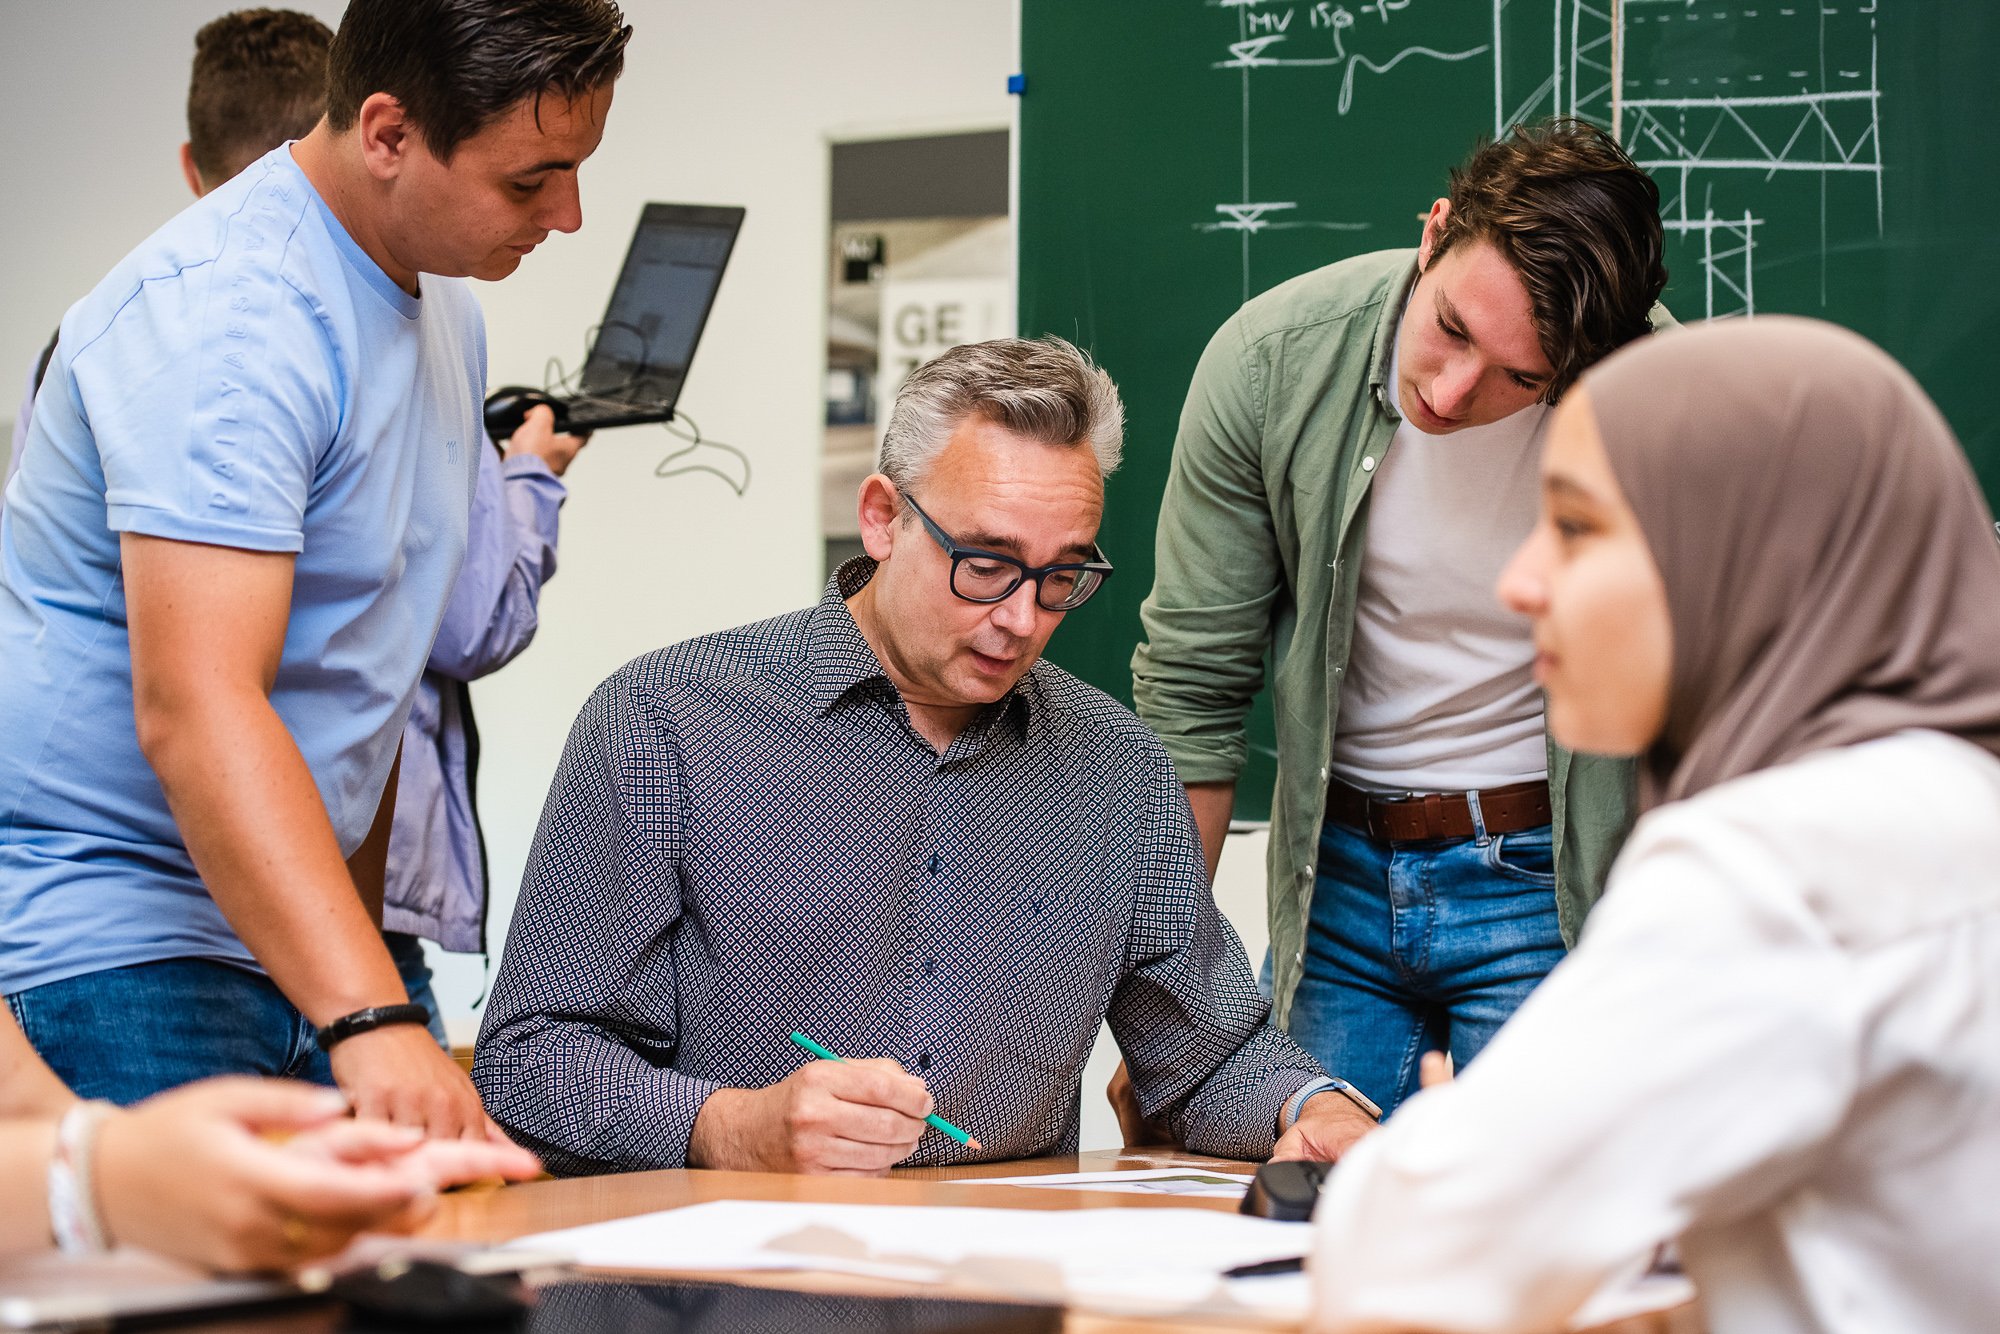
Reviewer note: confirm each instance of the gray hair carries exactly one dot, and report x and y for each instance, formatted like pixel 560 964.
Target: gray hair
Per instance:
pixel 1047 389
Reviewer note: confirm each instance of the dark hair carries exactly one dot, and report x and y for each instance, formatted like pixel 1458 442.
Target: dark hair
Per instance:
pixel 1580 222
pixel 259 79
pixel 458 65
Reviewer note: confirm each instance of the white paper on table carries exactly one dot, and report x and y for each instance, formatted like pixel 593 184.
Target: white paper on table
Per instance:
pixel 1191 1182
pixel 1134 1260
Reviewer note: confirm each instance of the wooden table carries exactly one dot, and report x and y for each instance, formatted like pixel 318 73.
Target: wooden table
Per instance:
pixel 541 1206
pixel 503 1213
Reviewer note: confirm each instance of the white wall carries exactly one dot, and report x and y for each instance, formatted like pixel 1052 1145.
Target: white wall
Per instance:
pixel 719 104
pixel 93 97
pixel 728 104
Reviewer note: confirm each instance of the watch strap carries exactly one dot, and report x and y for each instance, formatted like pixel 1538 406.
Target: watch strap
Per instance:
pixel 1296 1104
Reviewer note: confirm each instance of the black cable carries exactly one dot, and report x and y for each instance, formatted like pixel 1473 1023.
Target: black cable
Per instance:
pixel 694 443
pixel 556 380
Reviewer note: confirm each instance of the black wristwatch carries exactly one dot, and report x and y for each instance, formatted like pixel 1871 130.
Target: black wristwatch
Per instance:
pixel 375 1016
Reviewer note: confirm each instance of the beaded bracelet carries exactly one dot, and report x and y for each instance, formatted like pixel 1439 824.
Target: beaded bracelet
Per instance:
pixel 73 1213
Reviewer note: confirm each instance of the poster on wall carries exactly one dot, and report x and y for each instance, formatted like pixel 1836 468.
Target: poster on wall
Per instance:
pixel 922 317
pixel 918 262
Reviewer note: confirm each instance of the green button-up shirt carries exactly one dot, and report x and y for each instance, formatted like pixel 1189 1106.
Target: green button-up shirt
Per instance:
pixel 1260 543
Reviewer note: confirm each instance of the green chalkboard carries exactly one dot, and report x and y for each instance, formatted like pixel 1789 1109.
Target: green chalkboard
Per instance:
pixel 1177 157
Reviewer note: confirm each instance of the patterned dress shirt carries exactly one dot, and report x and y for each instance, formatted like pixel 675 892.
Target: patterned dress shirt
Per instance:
pixel 747 837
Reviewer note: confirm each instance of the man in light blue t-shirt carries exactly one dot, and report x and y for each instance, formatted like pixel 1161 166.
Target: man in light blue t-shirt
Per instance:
pixel 240 512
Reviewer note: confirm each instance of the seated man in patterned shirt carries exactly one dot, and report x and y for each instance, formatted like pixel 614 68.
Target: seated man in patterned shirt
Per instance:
pixel 883 822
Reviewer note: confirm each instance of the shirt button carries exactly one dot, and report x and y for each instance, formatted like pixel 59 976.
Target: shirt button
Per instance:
pixel 1368 465
pixel 924 1061
pixel 937 863
pixel 1322 775
pixel 930 968
pixel 1300 957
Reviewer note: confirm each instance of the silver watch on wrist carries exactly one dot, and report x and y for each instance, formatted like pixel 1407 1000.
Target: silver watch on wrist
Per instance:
pixel 1294 1105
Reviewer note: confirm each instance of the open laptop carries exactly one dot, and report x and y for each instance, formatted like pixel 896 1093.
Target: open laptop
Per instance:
pixel 658 308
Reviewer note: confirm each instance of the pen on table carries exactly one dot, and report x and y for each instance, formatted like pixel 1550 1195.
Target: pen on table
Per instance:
pixel 1264 1268
pixel 934 1119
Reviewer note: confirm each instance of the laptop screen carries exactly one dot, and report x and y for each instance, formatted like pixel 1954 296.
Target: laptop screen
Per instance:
pixel 661 302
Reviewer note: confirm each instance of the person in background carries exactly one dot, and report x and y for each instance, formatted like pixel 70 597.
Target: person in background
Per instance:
pixel 1764 568
pixel 230 1173
pixel 172 886
pixel 259 80
pixel 1355 460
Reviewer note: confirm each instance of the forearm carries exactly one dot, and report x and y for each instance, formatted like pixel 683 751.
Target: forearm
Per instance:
pixel 719 1137
pixel 1234 1112
pixel 582 1031
pixel 542 1079
pixel 1212 804
pixel 1443 1221
pixel 25 1149
pixel 259 835
pixel 1481 1204
pixel 1188 1016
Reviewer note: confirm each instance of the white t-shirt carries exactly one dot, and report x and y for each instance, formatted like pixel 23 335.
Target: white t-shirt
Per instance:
pixel 1778 1040
pixel 1439 694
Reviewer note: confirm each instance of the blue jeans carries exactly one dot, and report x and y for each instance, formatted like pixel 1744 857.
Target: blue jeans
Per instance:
pixel 408 952
pixel 128 1033
pixel 1421 947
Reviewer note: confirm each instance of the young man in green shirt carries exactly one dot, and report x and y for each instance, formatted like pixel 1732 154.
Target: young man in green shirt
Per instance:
pixel 1356 460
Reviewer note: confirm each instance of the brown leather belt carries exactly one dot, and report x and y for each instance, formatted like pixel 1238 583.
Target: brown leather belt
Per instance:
pixel 1432 816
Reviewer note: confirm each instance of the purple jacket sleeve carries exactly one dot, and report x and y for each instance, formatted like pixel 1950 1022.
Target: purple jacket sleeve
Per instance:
pixel 510 553
pixel 437 870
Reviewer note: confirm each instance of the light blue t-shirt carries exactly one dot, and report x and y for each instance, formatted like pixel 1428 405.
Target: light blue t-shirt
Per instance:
pixel 247 378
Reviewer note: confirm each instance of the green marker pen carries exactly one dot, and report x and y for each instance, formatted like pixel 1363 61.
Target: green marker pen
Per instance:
pixel 934 1119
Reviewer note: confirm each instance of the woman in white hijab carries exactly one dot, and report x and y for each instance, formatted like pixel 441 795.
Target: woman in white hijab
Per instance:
pixel 1763 567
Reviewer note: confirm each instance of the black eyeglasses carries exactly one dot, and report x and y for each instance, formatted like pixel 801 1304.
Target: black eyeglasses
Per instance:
pixel 988 576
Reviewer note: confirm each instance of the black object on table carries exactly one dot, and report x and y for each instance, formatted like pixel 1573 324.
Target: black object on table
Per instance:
pixel 1286 1191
